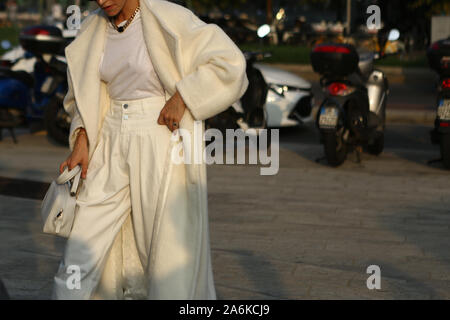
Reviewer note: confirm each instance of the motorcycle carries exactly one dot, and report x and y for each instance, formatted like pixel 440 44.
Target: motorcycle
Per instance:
pixel 32 86
pixel 439 59
pixel 353 113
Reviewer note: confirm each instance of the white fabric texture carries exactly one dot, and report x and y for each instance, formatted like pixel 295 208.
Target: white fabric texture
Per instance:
pixel 126 66
pixel 131 174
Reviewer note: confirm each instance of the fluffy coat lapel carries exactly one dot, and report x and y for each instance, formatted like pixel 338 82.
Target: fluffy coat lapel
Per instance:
pixel 83 58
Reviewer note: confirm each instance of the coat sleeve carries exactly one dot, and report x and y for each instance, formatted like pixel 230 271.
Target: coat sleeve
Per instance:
pixel 69 102
pixel 215 68
pixel 71 108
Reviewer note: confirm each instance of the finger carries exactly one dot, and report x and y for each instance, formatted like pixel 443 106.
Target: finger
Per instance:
pixel 84 168
pixel 177 120
pixel 62 166
pixel 170 124
pixel 72 164
pixel 161 119
pixel 162 114
pixel 166 121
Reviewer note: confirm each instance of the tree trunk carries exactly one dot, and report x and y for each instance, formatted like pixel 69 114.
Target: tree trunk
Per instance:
pixel 269 11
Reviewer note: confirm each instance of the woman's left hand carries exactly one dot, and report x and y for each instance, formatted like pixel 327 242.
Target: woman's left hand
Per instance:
pixel 172 112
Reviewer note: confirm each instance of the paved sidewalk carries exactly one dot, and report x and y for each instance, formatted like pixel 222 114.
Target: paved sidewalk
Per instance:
pixel 309 232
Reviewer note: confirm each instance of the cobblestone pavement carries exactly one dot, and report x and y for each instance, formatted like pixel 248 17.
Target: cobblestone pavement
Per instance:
pixel 309 232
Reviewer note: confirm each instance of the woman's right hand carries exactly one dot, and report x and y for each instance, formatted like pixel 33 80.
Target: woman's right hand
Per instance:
pixel 79 155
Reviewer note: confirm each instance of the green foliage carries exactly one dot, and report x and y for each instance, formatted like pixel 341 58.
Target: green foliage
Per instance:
pixel 209 4
pixel 11 34
pixel 430 7
pixel 418 61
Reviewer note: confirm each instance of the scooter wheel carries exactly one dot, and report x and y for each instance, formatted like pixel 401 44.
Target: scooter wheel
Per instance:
pixel 445 150
pixel 377 147
pixel 335 148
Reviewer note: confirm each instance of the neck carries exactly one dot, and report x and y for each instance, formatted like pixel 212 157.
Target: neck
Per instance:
pixel 126 12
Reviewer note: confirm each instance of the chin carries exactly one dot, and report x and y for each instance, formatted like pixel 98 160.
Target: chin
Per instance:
pixel 112 13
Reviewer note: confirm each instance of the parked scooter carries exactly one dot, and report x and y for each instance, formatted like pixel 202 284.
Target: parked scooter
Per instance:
pixel 32 87
pixel 439 59
pixel 352 116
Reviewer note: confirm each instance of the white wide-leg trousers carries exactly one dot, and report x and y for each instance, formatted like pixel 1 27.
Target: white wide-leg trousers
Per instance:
pixel 128 179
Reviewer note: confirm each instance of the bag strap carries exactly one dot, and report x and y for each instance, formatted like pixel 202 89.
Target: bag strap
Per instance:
pixel 68 175
pixel 76 180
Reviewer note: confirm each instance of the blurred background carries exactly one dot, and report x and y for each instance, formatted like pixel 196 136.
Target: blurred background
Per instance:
pixel 279 34
pixel 364 148
pixel 297 24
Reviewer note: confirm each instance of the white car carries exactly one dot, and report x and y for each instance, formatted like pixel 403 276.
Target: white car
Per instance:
pixel 289 99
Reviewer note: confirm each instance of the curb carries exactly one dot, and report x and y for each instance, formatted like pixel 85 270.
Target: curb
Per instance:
pixel 425 117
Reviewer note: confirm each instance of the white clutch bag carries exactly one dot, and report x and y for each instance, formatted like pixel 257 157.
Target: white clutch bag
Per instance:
pixel 58 206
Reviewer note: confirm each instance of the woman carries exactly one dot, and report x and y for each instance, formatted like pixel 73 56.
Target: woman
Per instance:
pixel 137 72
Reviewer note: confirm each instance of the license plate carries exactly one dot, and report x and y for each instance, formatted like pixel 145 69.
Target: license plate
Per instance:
pixel 445 62
pixel 328 117
pixel 45 88
pixel 444 110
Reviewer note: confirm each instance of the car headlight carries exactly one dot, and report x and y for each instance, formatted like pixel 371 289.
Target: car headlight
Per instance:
pixel 281 89
pixel 278 89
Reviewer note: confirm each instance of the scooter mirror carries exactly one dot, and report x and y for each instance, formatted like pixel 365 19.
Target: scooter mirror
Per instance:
pixel 263 31
pixel 6 44
pixel 394 35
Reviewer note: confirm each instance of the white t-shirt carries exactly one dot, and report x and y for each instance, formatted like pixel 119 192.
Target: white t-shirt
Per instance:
pixel 126 66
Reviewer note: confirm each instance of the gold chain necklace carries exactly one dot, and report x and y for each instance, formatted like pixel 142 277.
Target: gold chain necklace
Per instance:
pixel 122 28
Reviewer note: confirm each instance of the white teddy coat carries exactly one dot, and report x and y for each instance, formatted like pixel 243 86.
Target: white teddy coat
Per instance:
pixel 208 69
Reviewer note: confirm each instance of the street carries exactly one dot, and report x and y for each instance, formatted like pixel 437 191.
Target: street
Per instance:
pixel 310 232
